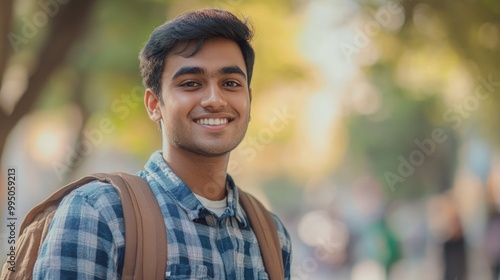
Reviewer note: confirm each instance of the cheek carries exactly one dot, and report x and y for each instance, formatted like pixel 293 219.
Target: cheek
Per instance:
pixel 178 105
pixel 242 105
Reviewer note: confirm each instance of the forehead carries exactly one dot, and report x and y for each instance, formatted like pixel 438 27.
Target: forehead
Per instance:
pixel 215 54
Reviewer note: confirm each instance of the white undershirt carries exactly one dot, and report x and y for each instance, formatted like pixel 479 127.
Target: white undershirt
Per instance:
pixel 216 206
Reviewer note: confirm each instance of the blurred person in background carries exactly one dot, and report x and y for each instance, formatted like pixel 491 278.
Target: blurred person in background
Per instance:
pixel 448 231
pixel 492 232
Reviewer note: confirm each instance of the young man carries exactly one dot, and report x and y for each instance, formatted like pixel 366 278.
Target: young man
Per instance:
pixel 197 70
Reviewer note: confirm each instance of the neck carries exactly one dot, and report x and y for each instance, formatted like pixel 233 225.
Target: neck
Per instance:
pixel 205 176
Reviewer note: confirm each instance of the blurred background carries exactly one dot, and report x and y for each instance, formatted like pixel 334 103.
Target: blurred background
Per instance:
pixel 374 131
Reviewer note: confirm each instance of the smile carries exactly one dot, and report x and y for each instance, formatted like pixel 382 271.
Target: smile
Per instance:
pixel 211 121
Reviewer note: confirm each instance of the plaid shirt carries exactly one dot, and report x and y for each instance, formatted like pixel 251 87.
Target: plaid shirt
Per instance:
pixel 86 236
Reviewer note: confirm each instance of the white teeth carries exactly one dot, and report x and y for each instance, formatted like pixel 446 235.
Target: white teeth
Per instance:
pixel 212 121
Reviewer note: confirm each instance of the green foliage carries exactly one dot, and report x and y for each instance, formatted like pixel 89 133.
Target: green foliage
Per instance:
pixel 417 67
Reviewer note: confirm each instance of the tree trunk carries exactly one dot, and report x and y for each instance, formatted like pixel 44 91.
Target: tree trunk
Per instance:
pixel 66 27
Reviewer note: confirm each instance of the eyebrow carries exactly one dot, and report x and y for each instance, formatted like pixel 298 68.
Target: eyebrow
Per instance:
pixel 232 70
pixel 188 70
pixel 198 70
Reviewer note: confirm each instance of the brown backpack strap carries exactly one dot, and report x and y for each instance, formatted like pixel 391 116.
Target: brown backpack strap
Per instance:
pixel 145 235
pixel 265 230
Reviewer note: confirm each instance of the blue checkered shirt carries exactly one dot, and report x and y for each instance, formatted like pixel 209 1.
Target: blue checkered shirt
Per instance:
pixel 86 236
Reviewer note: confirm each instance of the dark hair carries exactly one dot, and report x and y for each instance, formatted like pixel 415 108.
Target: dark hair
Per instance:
pixel 186 35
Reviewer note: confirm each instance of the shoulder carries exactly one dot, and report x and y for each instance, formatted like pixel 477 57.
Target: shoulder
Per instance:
pixel 85 237
pixel 94 196
pixel 282 232
pixel 95 190
pixel 286 245
pixel 283 235
pixel 94 208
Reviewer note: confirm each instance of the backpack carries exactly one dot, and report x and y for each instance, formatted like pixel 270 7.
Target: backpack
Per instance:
pixel 143 221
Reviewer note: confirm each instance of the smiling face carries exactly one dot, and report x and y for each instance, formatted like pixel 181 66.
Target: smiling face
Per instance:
pixel 206 100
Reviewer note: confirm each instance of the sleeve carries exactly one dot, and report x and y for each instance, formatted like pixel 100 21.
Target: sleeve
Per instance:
pixel 85 238
pixel 286 246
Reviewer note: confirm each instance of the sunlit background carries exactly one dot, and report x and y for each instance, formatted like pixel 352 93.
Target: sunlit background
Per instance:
pixel 374 132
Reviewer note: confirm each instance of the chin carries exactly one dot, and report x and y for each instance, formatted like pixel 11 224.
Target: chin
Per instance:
pixel 214 150
pixel 211 152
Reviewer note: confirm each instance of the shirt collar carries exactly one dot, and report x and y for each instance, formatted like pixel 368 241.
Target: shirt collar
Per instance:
pixel 158 172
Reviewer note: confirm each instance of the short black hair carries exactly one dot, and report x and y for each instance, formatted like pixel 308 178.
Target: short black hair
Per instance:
pixel 186 35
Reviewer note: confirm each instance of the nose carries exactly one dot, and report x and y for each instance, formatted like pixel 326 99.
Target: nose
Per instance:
pixel 213 98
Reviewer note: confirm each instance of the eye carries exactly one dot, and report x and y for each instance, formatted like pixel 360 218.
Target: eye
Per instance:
pixel 231 84
pixel 190 84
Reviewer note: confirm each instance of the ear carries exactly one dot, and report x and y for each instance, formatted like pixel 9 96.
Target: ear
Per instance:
pixel 152 104
pixel 250 95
